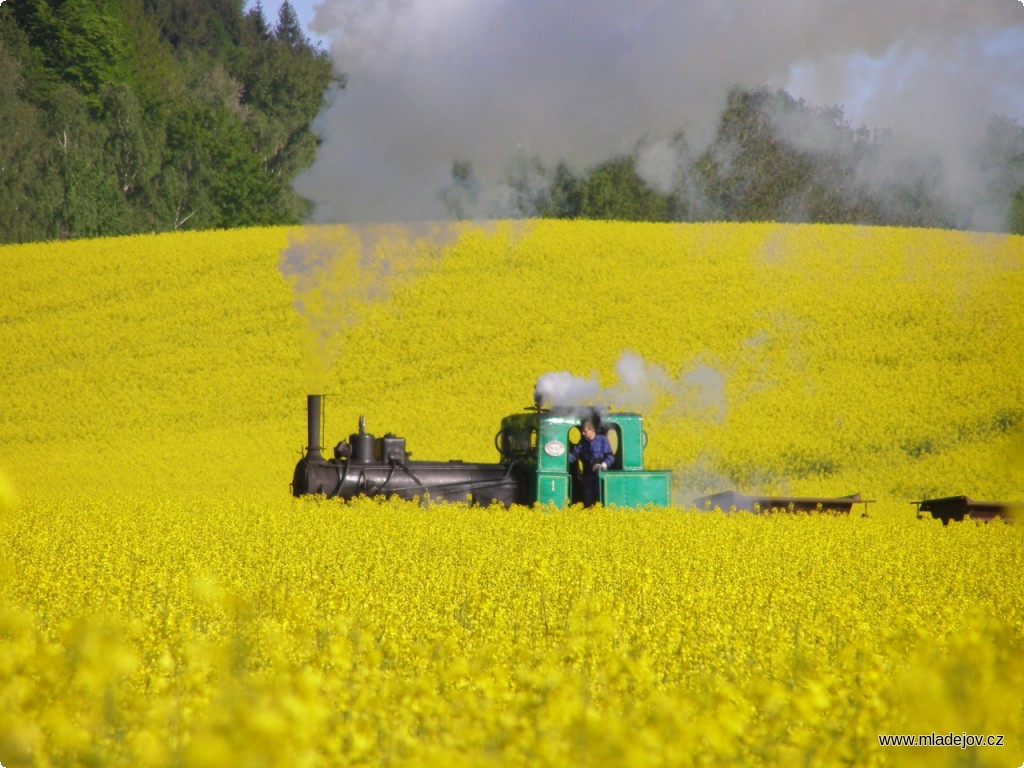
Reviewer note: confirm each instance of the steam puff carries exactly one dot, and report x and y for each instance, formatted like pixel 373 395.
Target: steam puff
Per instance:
pixel 433 81
pixel 640 385
pixel 561 389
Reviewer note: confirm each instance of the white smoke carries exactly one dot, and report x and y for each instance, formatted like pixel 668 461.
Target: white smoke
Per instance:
pixel 561 389
pixel 485 81
pixel 640 386
pixel 637 383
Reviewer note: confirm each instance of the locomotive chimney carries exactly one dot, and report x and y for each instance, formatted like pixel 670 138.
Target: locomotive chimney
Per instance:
pixel 314 421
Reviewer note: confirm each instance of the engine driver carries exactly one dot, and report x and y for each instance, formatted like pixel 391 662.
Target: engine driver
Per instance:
pixel 595 453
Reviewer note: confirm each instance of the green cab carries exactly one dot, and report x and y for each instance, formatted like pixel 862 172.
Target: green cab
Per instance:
pixel 537 442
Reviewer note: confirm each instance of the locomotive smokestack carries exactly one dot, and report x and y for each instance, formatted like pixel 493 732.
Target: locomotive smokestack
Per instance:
pixel 314 420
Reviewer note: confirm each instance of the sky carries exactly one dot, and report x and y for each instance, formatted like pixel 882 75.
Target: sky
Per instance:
pixel 495 82
pixel 303 8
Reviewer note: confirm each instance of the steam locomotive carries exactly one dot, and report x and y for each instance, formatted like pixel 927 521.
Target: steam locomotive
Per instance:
pixel 534 464
pixel 534 467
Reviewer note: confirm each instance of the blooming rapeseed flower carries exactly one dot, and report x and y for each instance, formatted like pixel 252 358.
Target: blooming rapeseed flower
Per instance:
pixel 164 600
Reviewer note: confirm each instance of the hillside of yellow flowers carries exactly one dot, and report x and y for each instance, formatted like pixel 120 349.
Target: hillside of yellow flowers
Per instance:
pixel 163 600
pixel 842 359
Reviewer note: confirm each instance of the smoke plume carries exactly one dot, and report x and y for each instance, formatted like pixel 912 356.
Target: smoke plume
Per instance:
pixel 640 386
pixel 336 271
pixel 491 83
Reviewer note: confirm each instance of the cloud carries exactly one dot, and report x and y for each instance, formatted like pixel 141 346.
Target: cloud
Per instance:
pixel 486 81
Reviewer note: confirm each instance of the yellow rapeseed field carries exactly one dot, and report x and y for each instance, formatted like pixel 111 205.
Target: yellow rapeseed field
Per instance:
pixel 165 602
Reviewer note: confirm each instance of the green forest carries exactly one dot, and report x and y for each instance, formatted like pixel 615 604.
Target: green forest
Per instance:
pixel 128 116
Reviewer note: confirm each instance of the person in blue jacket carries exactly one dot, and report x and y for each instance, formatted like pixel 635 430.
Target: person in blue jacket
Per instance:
pixel 595 453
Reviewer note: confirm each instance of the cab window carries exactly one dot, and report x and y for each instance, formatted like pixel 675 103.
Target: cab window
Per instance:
pixel 614 439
